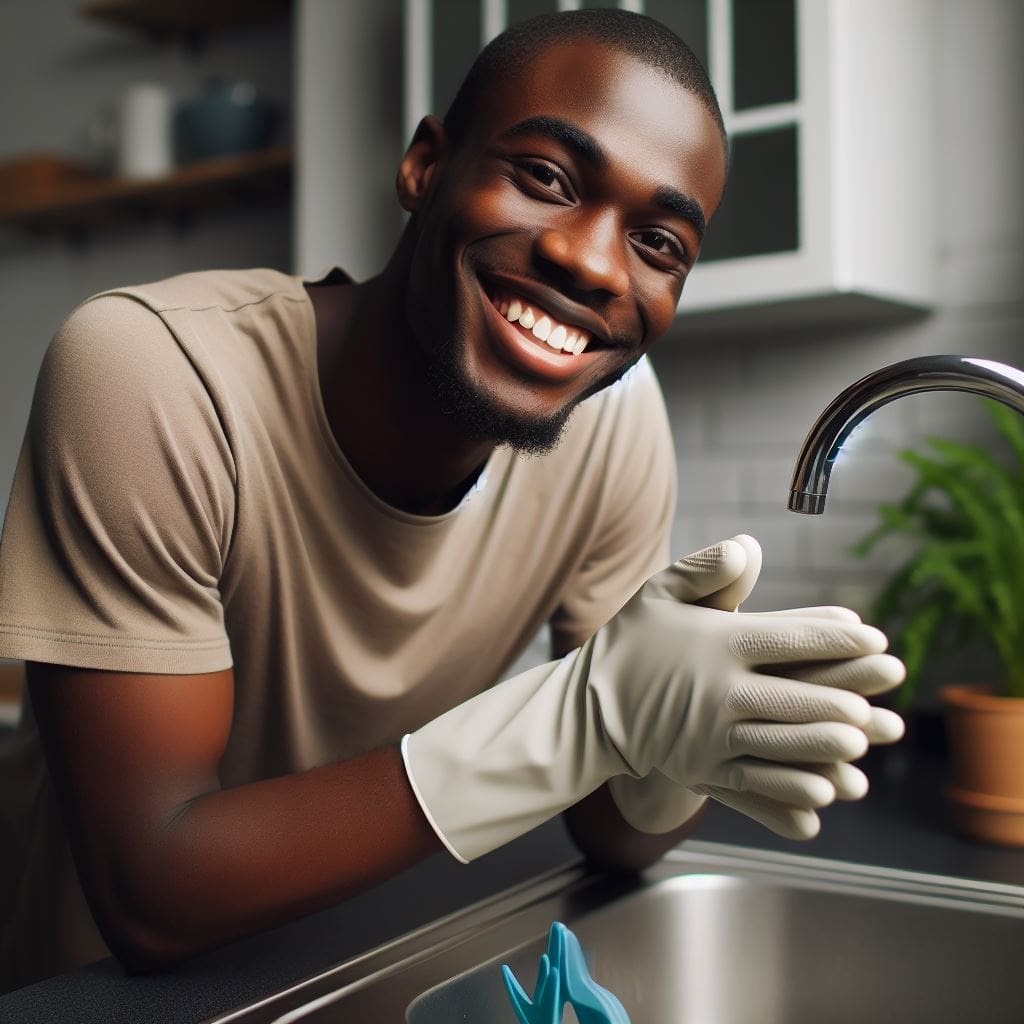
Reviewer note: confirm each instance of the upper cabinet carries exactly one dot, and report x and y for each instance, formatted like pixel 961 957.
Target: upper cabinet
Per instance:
pixel 829 209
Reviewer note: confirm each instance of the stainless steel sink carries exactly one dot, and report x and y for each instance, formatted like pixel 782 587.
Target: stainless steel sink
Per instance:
pixel 712 935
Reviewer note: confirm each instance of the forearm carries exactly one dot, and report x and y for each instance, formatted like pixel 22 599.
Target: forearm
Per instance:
pixel 235 861
pixel 608 841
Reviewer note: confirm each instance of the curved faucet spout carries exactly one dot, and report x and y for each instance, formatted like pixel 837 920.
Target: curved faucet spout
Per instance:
pixel 849 408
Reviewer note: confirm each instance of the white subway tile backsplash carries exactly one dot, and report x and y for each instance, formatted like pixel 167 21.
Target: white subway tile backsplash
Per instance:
pixel 831 537
pixel 986 274
pixel 707 483
pixel 861 480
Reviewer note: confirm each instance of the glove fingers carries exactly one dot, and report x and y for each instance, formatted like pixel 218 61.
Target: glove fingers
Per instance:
pixel 850 782
pixel 872 674
pixel 734 593
pixel 698 575
pixel 827 612
pixel 768 698
pixel 788 822
pixel 885 726
pixel 805 743
pixel 781 639
pixel 782 783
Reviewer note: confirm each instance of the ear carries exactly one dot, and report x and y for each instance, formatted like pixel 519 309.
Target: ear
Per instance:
pixel 421 162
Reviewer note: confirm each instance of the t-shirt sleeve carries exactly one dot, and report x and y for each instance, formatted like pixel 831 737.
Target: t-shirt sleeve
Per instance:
pixel 122 507
pixel 632 541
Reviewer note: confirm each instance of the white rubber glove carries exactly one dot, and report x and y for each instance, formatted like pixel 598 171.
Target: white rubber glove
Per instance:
pixel 720 576
pixel 656 804
pixel 663 685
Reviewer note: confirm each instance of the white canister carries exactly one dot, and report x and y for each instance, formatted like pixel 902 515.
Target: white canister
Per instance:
pixel 144 138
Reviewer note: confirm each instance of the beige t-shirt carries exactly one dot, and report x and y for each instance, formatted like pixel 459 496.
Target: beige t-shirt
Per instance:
pixel 181 506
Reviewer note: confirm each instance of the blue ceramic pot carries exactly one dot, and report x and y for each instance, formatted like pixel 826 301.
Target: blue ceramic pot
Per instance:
pixel 228 118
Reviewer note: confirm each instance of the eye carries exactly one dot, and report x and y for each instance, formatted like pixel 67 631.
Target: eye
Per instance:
pixel 544 180
pixel 660 245
pixel 544 174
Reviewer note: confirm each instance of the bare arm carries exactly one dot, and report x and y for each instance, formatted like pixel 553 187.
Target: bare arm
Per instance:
pixel 170 862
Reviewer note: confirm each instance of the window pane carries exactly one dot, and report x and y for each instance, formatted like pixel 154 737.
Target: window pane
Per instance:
pixel 763 52
pixel 759 213
pixel 687 18
pixel 456 43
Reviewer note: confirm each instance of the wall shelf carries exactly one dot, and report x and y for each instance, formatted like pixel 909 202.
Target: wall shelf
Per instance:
pixel 184 17
pixel 192 189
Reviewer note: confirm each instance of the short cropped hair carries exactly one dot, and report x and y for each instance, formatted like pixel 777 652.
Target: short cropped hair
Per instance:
pixel 635 34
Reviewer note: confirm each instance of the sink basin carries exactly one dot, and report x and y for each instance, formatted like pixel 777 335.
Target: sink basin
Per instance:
pixel 711 934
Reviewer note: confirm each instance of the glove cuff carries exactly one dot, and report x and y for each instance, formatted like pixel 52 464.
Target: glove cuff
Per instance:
pixel 423 806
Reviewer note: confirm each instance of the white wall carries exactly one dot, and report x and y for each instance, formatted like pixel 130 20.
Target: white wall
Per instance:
pixel 348 90
pixel 57 70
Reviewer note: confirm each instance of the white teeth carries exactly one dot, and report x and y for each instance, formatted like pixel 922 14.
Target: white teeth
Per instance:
pixel 555 335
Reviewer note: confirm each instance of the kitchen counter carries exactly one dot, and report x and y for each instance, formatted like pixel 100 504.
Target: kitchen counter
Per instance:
pixel 901 824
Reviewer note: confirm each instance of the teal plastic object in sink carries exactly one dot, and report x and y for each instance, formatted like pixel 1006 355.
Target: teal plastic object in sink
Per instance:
pixel 562 977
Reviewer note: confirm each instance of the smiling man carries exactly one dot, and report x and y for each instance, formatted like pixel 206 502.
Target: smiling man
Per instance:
pixel 576 226
pixel 272 543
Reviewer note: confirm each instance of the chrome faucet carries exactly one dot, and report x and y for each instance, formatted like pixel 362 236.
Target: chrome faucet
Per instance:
pixel 852 406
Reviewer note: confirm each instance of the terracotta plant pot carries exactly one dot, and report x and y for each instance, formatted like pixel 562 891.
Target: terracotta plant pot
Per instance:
pixel 986 746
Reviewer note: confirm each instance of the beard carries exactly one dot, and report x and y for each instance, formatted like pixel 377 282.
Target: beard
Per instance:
pixel 479 410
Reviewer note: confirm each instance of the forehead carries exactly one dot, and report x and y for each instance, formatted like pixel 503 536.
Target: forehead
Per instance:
pixel 641 117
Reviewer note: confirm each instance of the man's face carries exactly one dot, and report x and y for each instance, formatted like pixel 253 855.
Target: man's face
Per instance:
pixel 569 217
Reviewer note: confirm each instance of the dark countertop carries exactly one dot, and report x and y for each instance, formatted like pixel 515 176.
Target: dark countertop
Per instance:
pixel 901 824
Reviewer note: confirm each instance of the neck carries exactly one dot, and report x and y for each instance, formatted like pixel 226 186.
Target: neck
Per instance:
pixel 380 409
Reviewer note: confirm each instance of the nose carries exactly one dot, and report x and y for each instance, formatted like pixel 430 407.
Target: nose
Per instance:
pixel 590 252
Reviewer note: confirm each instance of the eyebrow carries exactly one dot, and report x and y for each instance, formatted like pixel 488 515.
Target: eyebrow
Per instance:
pixel 682 205
pixel 586 146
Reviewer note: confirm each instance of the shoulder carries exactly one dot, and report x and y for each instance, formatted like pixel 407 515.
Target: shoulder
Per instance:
pixel 224 290
pixel 111 373
pixel 146 333
pixel 111 343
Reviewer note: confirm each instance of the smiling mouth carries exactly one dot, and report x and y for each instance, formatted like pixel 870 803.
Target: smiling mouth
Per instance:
pixel 539 325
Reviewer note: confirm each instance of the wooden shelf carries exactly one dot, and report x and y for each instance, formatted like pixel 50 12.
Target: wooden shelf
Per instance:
pixel 190 190
pixel 184 17
pixel 12 686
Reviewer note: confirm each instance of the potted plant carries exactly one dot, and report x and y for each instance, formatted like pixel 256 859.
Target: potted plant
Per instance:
pixel 963 583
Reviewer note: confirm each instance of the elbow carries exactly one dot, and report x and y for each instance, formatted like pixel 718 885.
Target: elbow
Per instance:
pixel 144 957
pixel 141 925
pixel 142 946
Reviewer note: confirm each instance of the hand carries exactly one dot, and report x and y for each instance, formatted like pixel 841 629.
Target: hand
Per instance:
pixel 720 576
pixel 664 685
pixel 723 577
